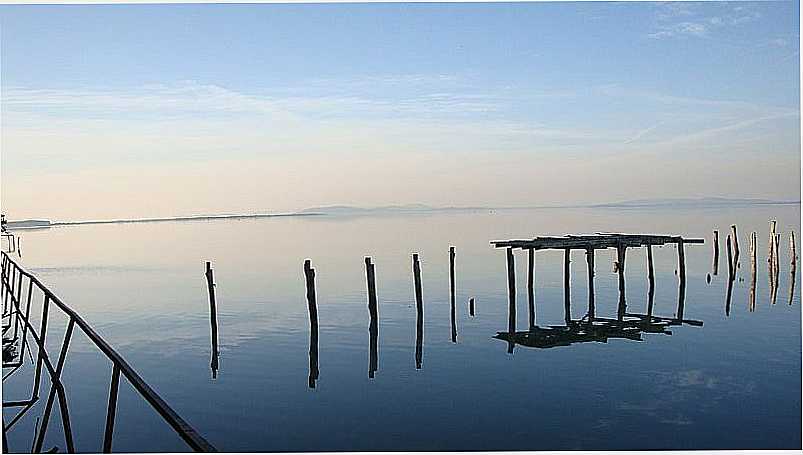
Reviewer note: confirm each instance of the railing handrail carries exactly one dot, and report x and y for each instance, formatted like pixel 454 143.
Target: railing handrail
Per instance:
pixel 181 427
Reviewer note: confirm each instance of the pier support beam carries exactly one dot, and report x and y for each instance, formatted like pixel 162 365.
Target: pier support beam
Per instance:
pixel 566 286
pixel 511 291
pixel 650 283
pixel 590 262
pixel 621 252
pixel 531 286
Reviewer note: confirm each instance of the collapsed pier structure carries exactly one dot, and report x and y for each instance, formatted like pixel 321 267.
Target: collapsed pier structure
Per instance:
pixel 590 327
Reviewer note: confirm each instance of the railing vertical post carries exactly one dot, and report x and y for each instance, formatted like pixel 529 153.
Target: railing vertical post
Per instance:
pixel 42 351
pixel 112 410
pixel 25 323
pixel 55 385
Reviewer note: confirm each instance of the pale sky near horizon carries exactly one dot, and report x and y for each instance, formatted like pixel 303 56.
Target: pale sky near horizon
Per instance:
pixel 159 110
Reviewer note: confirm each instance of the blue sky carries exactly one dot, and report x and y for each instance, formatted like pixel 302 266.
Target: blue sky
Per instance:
pixel 506 96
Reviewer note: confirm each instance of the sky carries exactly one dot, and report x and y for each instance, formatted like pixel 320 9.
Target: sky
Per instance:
pixel 161 110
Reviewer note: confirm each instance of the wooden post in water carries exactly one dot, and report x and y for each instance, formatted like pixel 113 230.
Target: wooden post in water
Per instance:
pixel 621 252
pixel 210 282
pixel 312 306
pixel 651 283
pixel 471 307
pixel 773 226
pixel 419 313
pixel 731 276
pixel 452 305
pixel 511 292
pixel 716 252
pixel 373 326
pixel 735 241
pixel 792 266
pixel 682 260
pixel 752 296
pixel 531 286
pixel 590 263
pixel 566 286
pixel 777 267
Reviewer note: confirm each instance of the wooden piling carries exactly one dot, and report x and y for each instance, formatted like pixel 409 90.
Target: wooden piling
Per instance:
pixel 650 282
pixel 777 268
pixel 419 312
pixel 511 291
pixel 792 249
pixel 531 286
pixel 312 306
pixel 567 311
pixel 753 266
pixel 210 282
pixel 471 307
pixel 731 275
pixel 735 241
pixel 715 267
pixel 731 268
pixel 621 252
pixel 682 260
pixel 373 326
pixel 452 305
pixel 590 263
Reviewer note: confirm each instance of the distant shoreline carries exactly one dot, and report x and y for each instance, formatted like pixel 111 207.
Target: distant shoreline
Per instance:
pixel 43 224
pixel 344 210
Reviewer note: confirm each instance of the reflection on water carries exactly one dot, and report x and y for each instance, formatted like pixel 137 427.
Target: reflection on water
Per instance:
pixel 677 386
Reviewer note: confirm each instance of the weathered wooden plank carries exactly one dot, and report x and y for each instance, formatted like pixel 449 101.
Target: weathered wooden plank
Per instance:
pixel 599 241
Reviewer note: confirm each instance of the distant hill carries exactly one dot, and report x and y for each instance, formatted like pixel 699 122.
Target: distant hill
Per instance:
pixel 405 208
pixel 693 202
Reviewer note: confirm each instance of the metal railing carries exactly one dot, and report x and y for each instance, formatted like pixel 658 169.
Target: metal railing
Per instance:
pixel 13 280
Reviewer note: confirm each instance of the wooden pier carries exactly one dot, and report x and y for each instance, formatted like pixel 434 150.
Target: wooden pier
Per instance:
pixel 589 244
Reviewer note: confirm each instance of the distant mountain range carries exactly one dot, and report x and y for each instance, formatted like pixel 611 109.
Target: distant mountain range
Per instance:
pixel 709 202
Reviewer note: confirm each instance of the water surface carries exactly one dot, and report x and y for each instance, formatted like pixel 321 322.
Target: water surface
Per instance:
pixel 732 383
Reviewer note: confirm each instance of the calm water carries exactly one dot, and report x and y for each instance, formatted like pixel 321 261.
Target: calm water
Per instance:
pixel 735 382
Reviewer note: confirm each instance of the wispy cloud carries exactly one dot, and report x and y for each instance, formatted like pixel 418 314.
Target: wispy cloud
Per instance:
pixel 681 19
